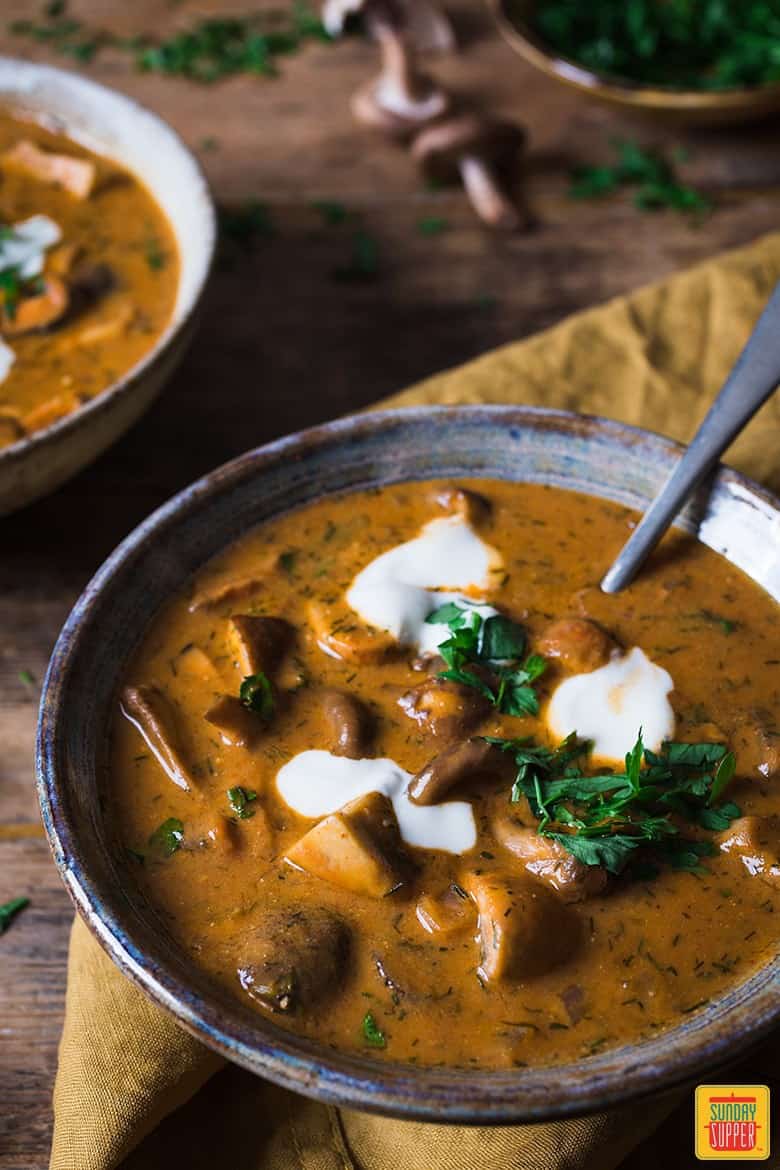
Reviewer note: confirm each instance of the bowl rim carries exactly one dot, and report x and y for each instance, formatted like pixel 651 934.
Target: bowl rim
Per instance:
pixel 521 37
pixel 181 316
pixel 336 1077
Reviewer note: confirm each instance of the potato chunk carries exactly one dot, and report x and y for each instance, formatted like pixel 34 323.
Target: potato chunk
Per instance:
pixel 358 848
pixel 294 960
pixel 549 861
pixel 523 929
pixel 148 709
pixel 74 175
pixel 579 644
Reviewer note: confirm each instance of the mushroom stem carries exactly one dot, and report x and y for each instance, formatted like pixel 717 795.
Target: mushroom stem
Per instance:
pixel 491 204
pixel 402 89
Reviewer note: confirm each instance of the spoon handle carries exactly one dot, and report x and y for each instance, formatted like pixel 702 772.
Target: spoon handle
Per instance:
pixel 754 377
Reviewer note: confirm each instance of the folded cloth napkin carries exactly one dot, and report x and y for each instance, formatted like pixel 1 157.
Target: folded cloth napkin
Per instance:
pixel 134 1090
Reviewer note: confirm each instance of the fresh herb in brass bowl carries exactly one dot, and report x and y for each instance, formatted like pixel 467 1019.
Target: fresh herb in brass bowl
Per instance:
pixel 691 61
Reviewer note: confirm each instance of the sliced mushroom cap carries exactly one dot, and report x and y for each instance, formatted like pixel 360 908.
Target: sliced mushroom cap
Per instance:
pixel 446 709
pixel 358 848
pixel 259 643
pixel 238 726
pixel 523 930
pixel 578 643
pixel 455 765
pixel 339 634
pixel 218 593
pixel 446 913
pixel 757 743
pixel 351 723
pixel 295 960
pixel 154 716
pixel 460 501
pixel 549 861
pixel 756 842
pixel 482 153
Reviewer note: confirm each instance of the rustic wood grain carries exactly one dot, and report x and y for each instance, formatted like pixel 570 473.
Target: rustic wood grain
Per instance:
pixel 283 345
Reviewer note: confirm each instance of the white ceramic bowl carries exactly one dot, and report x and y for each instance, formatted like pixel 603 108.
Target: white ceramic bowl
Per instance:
pixel 112 125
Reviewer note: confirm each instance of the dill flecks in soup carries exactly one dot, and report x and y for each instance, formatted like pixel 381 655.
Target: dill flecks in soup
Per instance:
pixel 88 275
pixel 398 773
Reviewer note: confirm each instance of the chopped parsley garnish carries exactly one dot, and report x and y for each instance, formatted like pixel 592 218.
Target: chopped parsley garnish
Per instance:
pixel 256 694
pixel 240 800
pixel 363 263
pixel 372 1033
pixel 647 170
pixel 242 226
pixel 602 819
pixel 432 225
pixel 332 212
pixel 9 910
pixel 156 258
pixel 167 837
pixel 682 44
pixel 485 653
pixel 25 676
pixel 210 49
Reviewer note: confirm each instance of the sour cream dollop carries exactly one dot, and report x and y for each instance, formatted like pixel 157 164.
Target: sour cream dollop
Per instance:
pixel 609 705
pixel 399 589
pixel 317 783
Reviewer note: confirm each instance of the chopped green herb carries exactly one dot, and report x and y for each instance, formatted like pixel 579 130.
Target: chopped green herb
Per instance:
pixel 372 1033
pixel 646 169
pixel 9 910
pixel 432 225
pixel 287 560
pixel 26 677
pixel 256 693
pixel 167 837
pixel 602 819
pixel 243 225
pixel 332 212
pixel 240 800
pixel 364 260
pixel 156 258
pixel 485 654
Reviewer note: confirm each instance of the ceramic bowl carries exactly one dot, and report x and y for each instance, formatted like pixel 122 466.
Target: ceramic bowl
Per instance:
pixel 591 455
pixel 111 124
pixel 678 107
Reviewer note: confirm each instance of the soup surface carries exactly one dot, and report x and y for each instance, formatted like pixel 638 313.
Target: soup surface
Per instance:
pixel 88 275
pixel 318 817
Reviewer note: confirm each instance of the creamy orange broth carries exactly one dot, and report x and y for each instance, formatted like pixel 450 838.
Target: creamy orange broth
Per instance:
pixel 645 952
pixel 122 276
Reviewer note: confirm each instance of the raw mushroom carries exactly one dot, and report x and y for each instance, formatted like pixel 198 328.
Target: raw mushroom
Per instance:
pixel 427 27
pixel 402 99
pixel 482 153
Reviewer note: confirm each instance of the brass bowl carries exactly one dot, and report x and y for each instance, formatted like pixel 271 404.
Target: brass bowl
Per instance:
pixel 677 107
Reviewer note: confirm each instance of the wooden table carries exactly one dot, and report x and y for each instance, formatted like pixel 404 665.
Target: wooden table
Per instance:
pixel 283 346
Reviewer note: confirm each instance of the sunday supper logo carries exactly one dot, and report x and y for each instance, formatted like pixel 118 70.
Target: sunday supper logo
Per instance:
pixel 732 1122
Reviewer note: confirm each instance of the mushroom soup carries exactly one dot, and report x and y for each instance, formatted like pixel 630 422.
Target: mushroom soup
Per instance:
pixel 88 275
pixel 397 772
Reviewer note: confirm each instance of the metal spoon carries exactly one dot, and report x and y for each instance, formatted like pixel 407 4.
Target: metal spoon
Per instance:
pixel 754 377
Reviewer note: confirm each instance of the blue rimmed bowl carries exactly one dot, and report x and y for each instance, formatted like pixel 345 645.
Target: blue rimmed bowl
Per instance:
pixel 592 455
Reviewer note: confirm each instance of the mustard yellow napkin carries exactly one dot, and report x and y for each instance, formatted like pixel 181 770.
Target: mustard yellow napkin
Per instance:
pixel 130 1079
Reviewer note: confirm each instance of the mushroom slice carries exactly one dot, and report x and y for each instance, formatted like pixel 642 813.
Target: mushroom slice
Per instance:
pixel 259 643
pixel 74 175
pixel 351 723
pixel 523 929
pixel 61 259
pixel 238 726
pixel 340 635
pixel 578 643
pixel 446 913
pixel 463 761
pixel 223 592
pixel 212 831
pixel 446 709
pixel 358 848
pixel 754 840
pixel 757 745
pixel 36 312
pixel 471 506
pixel 154 716
pixel 549 861
pixel 47 412
pixel 295 960
pixel 11 428
pixel 480 152
pixel 108 329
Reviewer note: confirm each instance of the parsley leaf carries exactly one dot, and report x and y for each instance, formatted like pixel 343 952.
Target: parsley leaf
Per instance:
pixel 9 910
pixel 167 837
pixel 654 177
pixel 240 799
pixel 372 1033
pixel 256 694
